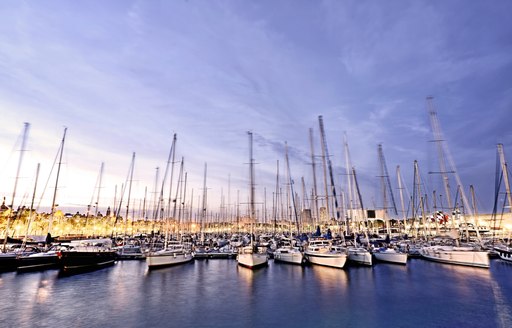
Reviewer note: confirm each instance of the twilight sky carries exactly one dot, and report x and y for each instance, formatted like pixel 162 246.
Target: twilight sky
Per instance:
pixel 123 76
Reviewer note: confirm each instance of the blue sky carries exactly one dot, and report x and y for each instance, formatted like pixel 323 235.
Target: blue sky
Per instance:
pixel 123 76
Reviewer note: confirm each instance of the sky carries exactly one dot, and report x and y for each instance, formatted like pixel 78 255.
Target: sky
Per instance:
pixel 125 76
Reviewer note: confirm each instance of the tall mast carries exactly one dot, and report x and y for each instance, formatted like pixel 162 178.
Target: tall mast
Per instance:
pixel 99 189
pixel 252 212
pixel 144 203
pixel 360 198
pixel 276 204
pixel 386 183
pixel 313 166
pixel 152 202
pixel 129 191
pixel 92 199
pixel 32 205
pixel 401 191
pixel 129 177
pixel 18 170
pixel 183 194
pixel 443 151
pixel 20 160
pixel 57 180
pixel 327 160
pixel 415 194
pixel 173 147
pixel 504 170
pixel 205 203
pixel 290 181
pixel 324 161
pixel 175 200
pixel 228 208
pixel 438 139
pixel 170 159
pixel 348 166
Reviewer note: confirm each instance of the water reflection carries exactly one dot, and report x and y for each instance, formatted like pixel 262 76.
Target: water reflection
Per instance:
pixel 329 278
pixel 219 293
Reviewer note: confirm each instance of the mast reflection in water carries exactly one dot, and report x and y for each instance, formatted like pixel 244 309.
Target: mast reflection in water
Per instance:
pixel 219 293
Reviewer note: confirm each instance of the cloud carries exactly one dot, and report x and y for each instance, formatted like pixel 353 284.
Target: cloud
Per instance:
pixel 125 76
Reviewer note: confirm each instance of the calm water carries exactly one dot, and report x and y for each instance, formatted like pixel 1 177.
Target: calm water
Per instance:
pixel 218 293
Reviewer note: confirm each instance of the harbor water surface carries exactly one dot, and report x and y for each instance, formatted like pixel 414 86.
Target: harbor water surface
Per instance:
pixel 219 293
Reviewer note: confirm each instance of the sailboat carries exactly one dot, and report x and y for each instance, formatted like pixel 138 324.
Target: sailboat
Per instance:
pixel 8 259
pixel 84 255
pixel 37 259
pixel 452 254
pixel 252 256
pixel 323 251
pixel 387 253
pixel 289 251
pixel 174 251
pixel 356 253
pixel 504 251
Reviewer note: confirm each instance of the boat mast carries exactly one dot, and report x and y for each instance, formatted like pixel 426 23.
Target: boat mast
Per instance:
pixel 416 193
pixel 170 159
pixel 329 165
pixel 438 139
pixel 290 181
pixel 175 200
pixel 313 166
pixel 57 180
pixel 473 202
pixel 99 189
pixel 360 198
pixel 252 212
pixel 153 199
pixel 20 160
pixel 386 182
pixel 129 193
pixel 401 191
pixel 181 213
pixel 123 189
pixel 276 198
pixel 504 170
pixel 31 206
pixel 348 166
pixel 144 203
pixel 501 174
pixel 204 207
pixel 443 151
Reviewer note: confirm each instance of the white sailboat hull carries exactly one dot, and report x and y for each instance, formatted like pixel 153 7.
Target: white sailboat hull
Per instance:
pixel 335 260
pixel 166 258
pixel 456 255
pixel 289 256
pixel 391 256
pixel 360 256
pixel 252 260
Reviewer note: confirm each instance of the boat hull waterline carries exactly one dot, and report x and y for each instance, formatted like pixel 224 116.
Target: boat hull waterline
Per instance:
pixel 252 261
pixel 163 259
pixel 335 260
pixel 289 256
pixel 79 261
pixel 391 256
pixel 360 256
pixel 454 255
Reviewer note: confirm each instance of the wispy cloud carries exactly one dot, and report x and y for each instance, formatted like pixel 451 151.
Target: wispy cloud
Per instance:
pixel 124 76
